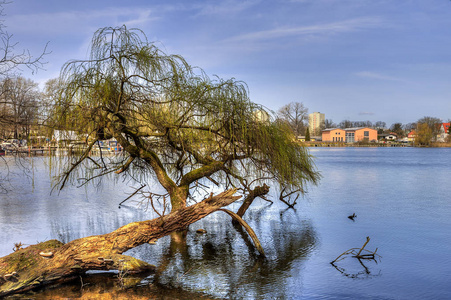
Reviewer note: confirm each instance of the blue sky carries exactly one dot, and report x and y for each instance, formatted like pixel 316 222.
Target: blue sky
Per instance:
pixel 387 60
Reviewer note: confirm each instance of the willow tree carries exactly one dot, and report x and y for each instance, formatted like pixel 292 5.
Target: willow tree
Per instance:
pixel 175 124
pixel 177 127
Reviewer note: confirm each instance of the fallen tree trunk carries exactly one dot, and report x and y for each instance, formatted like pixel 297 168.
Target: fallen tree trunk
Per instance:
pixel 53 261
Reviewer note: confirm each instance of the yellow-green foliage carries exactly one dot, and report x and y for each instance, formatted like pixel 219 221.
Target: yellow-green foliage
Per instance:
pixel 188 125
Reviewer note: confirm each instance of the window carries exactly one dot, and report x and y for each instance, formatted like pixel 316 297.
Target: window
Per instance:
pixel 366 134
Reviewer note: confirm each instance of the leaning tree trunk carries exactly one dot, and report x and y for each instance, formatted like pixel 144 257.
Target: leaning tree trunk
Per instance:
pixel 258 191
pixel 53 261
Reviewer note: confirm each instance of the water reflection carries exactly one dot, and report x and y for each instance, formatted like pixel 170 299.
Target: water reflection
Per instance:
pixel 358 273
pixel 401 197
pixel 222 263
pixel 219 264
pixel 107 287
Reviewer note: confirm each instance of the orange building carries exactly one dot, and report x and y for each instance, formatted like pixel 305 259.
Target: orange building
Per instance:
pixel 349 135
pixel 333 135
pixel 360 134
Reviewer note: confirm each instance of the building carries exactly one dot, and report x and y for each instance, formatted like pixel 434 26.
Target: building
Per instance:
pixel 333 135
pixel 443 132
pixel 359 134
pixel 349 135
pixel 388 136
pixel 411 136
pixel 316 122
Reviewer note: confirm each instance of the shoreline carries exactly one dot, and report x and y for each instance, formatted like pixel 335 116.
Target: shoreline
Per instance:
pixel 372 145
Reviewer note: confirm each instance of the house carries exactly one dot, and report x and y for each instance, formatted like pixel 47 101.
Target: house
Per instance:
pixel 411 136
pixel 359 134
pixel 333 135
pixel 349 135
pixel 387 136
pixel 443 132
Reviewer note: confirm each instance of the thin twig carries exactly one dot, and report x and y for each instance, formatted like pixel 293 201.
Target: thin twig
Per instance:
pixel 134 193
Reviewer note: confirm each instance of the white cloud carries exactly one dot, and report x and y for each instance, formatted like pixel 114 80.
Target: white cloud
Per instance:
pixel 378 76
pixel 320 29
pixel 225 8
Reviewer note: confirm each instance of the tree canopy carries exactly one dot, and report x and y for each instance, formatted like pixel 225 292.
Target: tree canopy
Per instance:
pixel 424 135
pixel 176 124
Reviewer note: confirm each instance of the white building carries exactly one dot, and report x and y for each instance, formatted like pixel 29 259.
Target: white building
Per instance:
pixel 443 133
pixel 316 123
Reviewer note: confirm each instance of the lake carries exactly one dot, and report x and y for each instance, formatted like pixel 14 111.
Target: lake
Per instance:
pixel 401 197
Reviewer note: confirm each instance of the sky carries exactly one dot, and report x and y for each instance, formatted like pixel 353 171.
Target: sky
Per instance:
pixel 376 60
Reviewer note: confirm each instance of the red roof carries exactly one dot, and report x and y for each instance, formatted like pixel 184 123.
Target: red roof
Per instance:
pixel 412 134
pixel 446 127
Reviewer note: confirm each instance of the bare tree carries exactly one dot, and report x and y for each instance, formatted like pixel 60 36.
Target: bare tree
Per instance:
pixel 346 124
pixel 19 106
pixel 329 123
pixel 11 63
pixel 295 115
pixel 12 60
pixel 380 125
pixel 410 126
pixel 398 129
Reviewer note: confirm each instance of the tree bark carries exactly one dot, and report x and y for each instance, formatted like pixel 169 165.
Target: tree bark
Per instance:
pixel 28 268
pixel 257 192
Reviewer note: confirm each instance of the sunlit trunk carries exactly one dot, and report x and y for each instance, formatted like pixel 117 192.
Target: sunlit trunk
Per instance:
pixel 51 261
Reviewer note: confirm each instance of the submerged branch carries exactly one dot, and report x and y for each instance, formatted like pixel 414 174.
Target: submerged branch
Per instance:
pixel 358 255
pixel 249 230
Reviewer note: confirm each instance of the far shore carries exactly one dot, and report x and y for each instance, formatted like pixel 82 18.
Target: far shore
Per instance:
pixel 373 145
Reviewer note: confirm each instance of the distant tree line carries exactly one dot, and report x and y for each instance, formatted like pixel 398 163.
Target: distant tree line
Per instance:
pixel 19 97
pixel 295 115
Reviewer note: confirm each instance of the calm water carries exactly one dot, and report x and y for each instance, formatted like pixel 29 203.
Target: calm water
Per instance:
pixel 401 197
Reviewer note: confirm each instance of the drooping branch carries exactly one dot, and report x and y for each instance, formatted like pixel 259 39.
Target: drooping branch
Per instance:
pixel 75 165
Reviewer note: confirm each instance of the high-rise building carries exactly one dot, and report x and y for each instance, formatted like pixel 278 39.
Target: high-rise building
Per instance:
pixel 316 122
